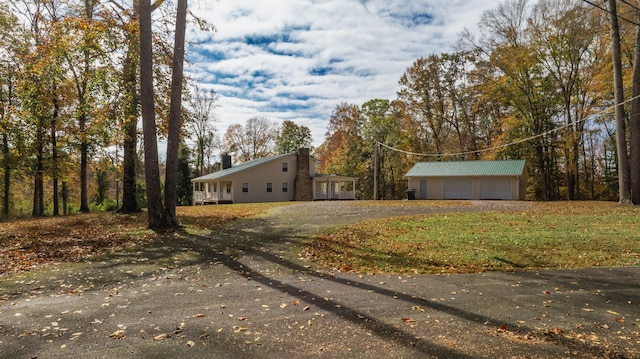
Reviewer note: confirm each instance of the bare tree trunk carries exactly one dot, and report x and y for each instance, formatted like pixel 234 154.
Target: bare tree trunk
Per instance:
pixel 634 125
pixel 38 186
pixel 65 198
pixel 130 146
pixel 84 161
pixel 7 175
pixel 54 154
pixel 156 217
pixel 173 138
pixel 621 141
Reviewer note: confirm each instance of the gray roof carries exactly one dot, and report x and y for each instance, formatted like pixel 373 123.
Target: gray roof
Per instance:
pixel 239 168
pixel 467 169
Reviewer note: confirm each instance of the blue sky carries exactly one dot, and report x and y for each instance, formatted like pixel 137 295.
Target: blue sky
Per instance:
pixel 298 59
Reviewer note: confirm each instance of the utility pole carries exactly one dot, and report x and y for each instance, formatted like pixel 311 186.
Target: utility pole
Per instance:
pixel 375 171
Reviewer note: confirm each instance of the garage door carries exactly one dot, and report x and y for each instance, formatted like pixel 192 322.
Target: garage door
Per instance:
pixel 457 189
pixel 495 189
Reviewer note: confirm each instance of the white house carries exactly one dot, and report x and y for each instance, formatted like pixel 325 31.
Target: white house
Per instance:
pixel 288 177
pixel 504 180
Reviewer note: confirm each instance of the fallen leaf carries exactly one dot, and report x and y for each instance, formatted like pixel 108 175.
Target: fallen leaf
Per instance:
pixel 239 329
pixel 118 334
pixel 408 320
pixel 160 336
pixel 417 308
pixel 191 343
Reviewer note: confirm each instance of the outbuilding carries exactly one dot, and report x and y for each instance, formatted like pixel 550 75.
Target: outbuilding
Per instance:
pixel 491 180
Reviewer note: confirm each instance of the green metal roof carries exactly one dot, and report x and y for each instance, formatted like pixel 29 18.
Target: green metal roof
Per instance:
pixel 239 168
pixel 467 169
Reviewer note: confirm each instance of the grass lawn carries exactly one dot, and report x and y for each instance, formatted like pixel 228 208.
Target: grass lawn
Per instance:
pixel 550 236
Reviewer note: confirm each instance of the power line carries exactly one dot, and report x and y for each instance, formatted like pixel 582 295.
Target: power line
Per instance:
pixel 506 144
pixel 609 12
pixel 632 6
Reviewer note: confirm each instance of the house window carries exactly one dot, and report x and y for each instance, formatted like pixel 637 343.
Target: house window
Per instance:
pixel 245 187
pixel 285 187
pixel 228 187
pixel 269 187
pixel 285 167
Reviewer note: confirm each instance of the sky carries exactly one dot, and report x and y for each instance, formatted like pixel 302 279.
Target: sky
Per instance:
pixel 298 59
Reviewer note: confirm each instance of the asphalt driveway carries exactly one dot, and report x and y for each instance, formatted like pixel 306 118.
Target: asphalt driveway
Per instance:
pixel 243 292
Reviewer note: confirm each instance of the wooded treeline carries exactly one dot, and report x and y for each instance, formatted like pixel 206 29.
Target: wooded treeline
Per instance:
pixel 535 82
pixel 70 101
pixel 78 78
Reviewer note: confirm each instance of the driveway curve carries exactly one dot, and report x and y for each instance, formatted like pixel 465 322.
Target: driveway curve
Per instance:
pixel 242 292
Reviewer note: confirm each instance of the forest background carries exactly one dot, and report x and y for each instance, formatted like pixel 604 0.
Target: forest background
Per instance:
pixel 536 82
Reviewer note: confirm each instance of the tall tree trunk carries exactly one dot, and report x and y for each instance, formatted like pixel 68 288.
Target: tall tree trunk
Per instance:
pixel 173 139
pixel 544 180
pixel 7 174
pixel 84 160
pixel 65 198
pixel 54 154
pixel 130 146
pixel 621 141
pixel 156 217
pixel 38 186
pixel 634 125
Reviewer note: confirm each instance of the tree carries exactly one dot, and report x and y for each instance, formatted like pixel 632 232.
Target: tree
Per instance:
pixel 634 123
pixel 573 55
pixel 291 137
pixel 343 148
pixel 524 85
pixel 621 141
pixel 253 140
pixel 131 112
pixel 8 120
pixel 175 119
pixel 423 91
pixel 203 127
pixel 382 124
pixel 156 214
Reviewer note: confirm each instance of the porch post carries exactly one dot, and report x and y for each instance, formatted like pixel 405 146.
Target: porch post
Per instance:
pixel 218 192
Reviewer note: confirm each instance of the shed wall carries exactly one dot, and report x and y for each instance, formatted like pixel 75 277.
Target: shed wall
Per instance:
pixel 436 186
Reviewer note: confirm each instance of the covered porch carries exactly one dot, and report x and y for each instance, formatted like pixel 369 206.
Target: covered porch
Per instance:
pixel 332 187
pixel 212 192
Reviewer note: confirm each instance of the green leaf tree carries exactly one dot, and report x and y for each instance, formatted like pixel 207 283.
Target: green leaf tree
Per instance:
pixel 292 137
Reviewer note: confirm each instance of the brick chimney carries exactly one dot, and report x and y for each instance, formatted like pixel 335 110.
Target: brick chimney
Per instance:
pixel 303 181
pixel 226 161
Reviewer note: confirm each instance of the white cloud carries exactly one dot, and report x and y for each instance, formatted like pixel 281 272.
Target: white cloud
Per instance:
pixel 299 59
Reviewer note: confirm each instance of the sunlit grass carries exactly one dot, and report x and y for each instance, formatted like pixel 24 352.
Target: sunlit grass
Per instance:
pixel 550 236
